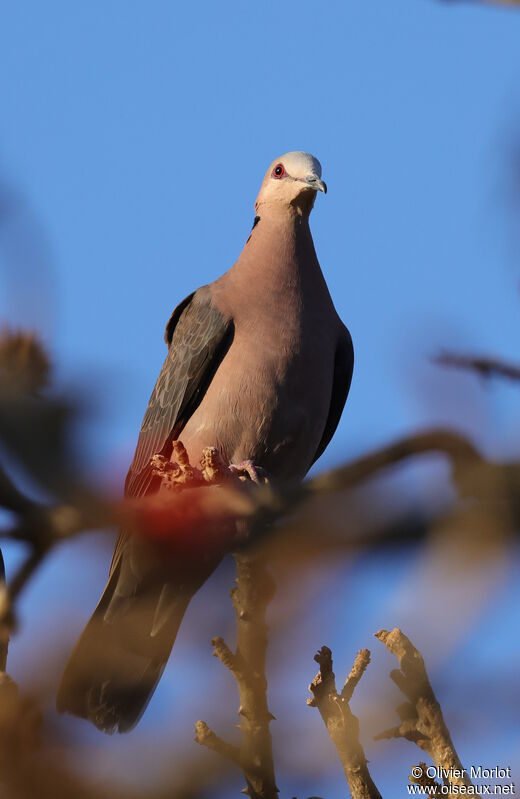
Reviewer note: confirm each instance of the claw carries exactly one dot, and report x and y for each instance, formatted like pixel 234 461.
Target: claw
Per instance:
pixel 255 473
pixel 163 467
pixel 214 469
pixel 177 472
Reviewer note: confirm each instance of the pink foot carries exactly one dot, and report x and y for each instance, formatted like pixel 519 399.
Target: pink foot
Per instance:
pixel 246 469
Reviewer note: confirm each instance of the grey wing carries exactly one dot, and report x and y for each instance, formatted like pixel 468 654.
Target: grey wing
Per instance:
pixel 198 336
pixel 343 368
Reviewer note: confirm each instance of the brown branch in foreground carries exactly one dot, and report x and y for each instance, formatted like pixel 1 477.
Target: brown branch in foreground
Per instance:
pixel 342 725
pixel 9 594
pixel 24 364
pixel 422 721
pixel 204 735
pixel 484 367
pixel 173 515
pixel 250 597
pixel 461 452
pixel 259 505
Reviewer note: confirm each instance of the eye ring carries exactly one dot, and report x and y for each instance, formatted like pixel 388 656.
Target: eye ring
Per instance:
pixel 278 172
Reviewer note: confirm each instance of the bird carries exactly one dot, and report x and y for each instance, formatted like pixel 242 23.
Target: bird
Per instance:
pixel 258 366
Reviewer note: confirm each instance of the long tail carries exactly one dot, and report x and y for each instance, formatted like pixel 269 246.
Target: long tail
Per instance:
pixel 120 656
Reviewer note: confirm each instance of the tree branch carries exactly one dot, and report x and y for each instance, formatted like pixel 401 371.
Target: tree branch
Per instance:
pixel 250 597
pixel 484 367
pixel 342 725
pixel 421 716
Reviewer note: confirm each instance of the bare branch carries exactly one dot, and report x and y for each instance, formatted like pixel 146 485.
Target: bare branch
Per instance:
pixel 228 658
pixel 342 725
pixel 356 672
pixel 455 446
pixel 172 516
pixel 250 597
pixel 481 365
pixel 205 736
pixel 24 365
pixel 421 716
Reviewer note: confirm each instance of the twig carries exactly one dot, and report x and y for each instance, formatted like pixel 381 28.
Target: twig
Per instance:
pixel 9 594
pixel 455 446
pixel 484 367
pixel 250 598
pixel 24 365
pixel 422 721
pixel 206 737
pixel 342 725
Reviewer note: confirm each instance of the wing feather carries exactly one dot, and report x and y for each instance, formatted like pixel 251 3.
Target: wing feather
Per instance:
pixel 198 336
pixel 343 368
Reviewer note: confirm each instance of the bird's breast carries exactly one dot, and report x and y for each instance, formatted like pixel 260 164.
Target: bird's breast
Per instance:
pixel 270 397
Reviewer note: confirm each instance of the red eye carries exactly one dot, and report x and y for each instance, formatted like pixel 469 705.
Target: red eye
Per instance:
pixel 278 171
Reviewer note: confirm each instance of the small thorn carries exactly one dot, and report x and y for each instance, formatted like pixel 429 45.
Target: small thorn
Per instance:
pixel 245 790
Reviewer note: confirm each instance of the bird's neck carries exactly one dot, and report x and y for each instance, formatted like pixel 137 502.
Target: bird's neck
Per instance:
pixel 284 225
pixel 278 260
pixel 279 248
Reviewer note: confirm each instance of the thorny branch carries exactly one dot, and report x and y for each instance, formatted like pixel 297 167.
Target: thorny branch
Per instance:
pixel 342 725
pixel 421 716
pixel 250 597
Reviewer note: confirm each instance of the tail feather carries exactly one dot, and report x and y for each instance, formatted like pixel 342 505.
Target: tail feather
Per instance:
pixel 118 660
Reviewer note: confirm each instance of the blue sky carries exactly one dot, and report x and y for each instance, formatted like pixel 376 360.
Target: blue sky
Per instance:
pixel 136 136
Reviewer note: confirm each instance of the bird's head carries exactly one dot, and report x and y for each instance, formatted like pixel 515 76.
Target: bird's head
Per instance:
pixel 292 180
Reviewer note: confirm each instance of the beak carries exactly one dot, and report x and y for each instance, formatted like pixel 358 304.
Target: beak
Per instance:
pixel 314 182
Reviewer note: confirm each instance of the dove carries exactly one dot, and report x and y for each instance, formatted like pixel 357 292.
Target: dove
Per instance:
pixel 259 366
